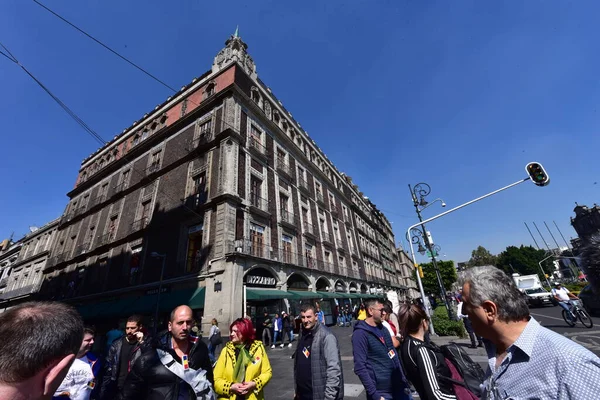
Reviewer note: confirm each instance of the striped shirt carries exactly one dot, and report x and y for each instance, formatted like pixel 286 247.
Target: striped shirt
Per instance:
pixel 542 364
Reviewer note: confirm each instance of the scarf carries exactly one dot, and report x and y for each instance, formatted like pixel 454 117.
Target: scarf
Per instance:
pixel 243 358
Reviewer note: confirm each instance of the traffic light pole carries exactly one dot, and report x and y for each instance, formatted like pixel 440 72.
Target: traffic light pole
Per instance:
pixel 431 251
pixel 422 225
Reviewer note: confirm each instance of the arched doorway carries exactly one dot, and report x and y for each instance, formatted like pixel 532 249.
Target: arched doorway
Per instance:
pixel 364 289
pixel 340 286
pixel 353 287
pixel 322 285
pixel 297 282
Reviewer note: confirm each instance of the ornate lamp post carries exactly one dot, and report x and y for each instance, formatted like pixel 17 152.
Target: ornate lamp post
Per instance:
pixel 418 194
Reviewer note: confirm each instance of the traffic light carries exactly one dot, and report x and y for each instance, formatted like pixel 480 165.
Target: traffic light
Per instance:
pixel 420 271
pixel 537 174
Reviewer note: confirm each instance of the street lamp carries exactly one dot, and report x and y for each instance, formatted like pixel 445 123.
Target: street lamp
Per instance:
pixel 162 272
pixel 418 194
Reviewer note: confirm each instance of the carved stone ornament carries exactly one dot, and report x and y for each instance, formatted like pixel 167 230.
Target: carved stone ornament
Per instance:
pixel 235 50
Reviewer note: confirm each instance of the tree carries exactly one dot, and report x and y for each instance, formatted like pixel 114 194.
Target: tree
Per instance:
pixel 430 282
pixel 523 260
pixel 482 256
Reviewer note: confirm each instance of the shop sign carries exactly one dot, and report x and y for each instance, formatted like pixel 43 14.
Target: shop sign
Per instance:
pixel 260 280
pixel 155 290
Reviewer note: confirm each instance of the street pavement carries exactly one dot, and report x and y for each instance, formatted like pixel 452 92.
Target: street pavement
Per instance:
pixel 281 385
pixel 551 318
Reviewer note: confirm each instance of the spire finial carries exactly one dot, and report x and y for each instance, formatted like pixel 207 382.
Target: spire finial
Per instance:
pixel 237 31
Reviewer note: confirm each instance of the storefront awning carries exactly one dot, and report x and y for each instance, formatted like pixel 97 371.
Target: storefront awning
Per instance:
pixel 329 295
pixel 298 294
pixel 267 294
pixel 193 297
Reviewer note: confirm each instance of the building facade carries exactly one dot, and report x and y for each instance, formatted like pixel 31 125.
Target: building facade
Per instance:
pixel 219 195
pixel 22 265
pixel 405 271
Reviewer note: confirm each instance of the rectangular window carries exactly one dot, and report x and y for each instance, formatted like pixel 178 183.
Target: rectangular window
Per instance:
pixel 255 137
pixel 309 253
pixel 199 188
pixel 255 192
pixel 194 249
pixel 257 240
pixel 327 256
pixel 205 127
pixel 336 232
pixel 146 211
pixel 286 246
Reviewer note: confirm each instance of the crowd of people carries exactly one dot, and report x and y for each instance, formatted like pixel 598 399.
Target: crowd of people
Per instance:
pixel 392 354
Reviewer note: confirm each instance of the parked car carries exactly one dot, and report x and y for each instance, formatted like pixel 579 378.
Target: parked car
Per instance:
pixel 538 297
pixel 590 300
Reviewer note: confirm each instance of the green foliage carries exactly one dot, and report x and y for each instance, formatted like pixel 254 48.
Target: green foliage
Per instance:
pixel 444 326
pixel 523 260
pixel 430 282
pixel 482 256
pixel 575 287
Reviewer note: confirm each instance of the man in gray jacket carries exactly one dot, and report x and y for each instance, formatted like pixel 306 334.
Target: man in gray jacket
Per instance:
pixel 317 362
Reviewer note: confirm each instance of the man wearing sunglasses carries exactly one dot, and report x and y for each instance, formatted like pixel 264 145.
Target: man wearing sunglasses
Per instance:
pixel 376 361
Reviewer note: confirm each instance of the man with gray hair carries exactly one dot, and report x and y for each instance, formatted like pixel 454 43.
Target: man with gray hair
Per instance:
pixel 38 344
pixel 526 360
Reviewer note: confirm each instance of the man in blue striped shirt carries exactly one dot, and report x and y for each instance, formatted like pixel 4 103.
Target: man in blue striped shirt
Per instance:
pixel 526 360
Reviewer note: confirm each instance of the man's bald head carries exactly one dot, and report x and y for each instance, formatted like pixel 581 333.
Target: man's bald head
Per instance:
pixel 182 321
pixel 178 310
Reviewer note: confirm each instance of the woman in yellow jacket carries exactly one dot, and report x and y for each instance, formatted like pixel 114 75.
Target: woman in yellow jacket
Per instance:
pixel 243 368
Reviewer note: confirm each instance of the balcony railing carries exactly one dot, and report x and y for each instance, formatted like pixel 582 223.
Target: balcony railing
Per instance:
pixel 196 200
pixel 259 202
pixel 204 138
pixel 82 249
pixel 283 167
pixel 308 228
pixel 255 144
pixel 251 248
pixel 25 290
pixel 106 238
pixel 327 237
pixel 155 166
pixel 302 183
pixel 287 217
pixel 139 224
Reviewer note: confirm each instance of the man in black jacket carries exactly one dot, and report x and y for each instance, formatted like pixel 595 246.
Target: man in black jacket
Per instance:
pixel 121 357
pixel 176 367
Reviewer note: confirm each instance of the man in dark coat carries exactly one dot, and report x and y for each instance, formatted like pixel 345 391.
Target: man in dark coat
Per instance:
pixel 176 367
pixel 122 355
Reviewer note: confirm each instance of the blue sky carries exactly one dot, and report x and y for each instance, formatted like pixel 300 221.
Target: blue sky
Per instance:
pixel 460 95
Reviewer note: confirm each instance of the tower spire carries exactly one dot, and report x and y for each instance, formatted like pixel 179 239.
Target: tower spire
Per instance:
pixel 235 50
pixel 237 32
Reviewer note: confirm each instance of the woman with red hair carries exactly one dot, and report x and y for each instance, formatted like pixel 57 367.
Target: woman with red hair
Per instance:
pixel 243 368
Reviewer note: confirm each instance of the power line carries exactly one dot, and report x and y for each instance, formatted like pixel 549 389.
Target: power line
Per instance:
pixel 105 46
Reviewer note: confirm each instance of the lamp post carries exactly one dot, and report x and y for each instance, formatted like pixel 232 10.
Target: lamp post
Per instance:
pixel 162 272
pixel 418 194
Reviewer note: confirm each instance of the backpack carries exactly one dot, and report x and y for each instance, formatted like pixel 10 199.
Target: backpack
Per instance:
pixel 467 375
pixel 216 339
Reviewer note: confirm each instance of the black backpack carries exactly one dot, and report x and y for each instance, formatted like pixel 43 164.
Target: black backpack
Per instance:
pixel 469 370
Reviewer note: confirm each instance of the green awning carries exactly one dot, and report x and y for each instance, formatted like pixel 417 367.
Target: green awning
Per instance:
pixel 328 295
pixel 354 295
pixel 193 297
pixel 267 294
pixel 299 294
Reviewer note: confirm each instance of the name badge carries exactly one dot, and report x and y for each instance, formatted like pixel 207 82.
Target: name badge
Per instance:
pixel 305 352
pixel 391 354
pixel 91 384
pixel 185 362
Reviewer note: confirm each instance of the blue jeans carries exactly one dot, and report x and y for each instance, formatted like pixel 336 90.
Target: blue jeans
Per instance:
pixel 566 306
pixel 211 353
pixel 276 335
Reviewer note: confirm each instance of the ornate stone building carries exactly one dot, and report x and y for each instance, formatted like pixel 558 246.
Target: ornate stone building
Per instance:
pixel 586 223
pixel 221 186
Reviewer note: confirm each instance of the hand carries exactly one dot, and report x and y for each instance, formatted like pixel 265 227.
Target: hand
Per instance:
pixel 248 387
pixel 236 388
pixel 140 336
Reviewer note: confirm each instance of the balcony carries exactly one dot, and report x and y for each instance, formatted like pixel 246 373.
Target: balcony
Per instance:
pixel 120 187
pixel 327 237
pixel 334 210
pixel 196 200
pixel 139 224
pixel 256 145
pixel 155 166
pixel 309 262
pixel 303 184
pixel 106 238
pixel 287 218
pixel 308 229
pixel 82 249
pixel 283 167
pixel 259 204
pixel 204 138
pixel 320 198
pixel 25 290
pixel 251 248
pixel 326 266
